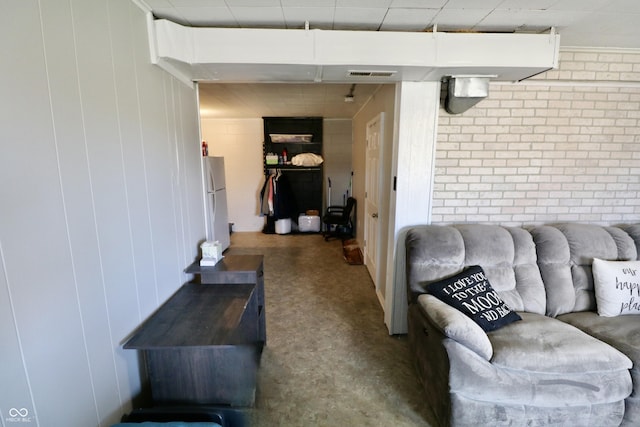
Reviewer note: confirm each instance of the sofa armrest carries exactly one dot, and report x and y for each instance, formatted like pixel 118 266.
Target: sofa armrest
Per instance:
pixel 456 325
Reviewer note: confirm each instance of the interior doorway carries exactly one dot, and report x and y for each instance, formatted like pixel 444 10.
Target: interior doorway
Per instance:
pixel 252 99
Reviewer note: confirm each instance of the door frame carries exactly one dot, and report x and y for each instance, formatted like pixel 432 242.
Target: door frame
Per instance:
pixel 413 170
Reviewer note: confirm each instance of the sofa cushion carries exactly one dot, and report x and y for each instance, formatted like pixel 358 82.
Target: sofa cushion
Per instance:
pixel 543 362
pixel 565 254
pixel 471 293
pixel 455 325
pixel 474 413
pixel 543 344
pixel 507 256
pixel 621 332
pixel 617 287
pixel 633 230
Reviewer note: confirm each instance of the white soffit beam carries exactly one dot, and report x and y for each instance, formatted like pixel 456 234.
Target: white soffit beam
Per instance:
pixel 251 55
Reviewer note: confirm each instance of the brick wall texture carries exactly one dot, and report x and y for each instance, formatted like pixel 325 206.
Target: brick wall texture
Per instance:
pixel 562 146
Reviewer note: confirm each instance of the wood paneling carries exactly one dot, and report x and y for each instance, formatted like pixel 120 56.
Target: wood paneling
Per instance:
pixel 101 203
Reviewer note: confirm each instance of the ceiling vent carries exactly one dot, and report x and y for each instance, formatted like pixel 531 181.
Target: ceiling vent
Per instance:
pixel 464 92
pixel 360 73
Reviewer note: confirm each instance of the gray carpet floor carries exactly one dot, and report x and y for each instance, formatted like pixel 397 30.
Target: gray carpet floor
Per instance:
pixel 329 359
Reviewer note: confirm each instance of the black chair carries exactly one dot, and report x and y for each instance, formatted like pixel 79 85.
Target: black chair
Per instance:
pixel 337 220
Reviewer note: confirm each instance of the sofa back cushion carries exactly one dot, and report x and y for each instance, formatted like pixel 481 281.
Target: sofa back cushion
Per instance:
pixel 507 256
pixel 565 255
pixel 633 230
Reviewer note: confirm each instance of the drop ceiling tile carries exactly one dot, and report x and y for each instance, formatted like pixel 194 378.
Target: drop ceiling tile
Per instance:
pixel 418 4
pixel 253 3
pixel 557 18
pixel 455 19
pixel 609 23
pixel 258 16
pixel 608 32
pixel 624 6
pixel 408 19
pixel 527 4
pixel 504 20
pixel 528 19
pixel 359 18
pixel 309 3
pixel 364 3
pixel 198 3
pixel 159 4
pixel 580 5
pixel 472 4
pixel 208 16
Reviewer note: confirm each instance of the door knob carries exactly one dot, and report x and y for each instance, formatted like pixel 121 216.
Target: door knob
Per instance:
pixel 375 215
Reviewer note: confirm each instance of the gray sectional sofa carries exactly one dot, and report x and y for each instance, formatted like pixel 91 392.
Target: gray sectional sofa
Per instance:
pixel 562 364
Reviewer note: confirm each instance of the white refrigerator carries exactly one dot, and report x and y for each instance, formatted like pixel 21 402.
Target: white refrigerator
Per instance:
pixel 217 213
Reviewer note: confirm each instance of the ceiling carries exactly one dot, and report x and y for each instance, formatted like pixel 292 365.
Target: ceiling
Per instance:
pixel 580 23
pixel 238 100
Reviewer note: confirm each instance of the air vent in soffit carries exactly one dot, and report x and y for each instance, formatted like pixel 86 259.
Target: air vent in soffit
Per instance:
pixel 359 73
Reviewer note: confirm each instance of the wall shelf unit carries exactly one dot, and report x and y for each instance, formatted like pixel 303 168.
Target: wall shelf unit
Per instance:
pixel 296 135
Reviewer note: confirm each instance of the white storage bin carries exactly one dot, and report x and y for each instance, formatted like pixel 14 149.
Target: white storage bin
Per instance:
pixel 283 226
pixel 309 223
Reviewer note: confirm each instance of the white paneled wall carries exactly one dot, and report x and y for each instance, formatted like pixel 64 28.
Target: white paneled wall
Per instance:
pixel 561 147
pixel 101 204
pixel 337 146
pixel 239 141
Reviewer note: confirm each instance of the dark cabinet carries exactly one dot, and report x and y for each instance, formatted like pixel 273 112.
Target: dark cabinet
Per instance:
pixel 203 346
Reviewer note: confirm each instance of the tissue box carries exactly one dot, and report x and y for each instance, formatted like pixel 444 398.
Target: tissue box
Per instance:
pixel 309 223
pixel 211 253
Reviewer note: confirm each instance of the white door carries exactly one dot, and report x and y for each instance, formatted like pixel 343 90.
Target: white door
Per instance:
pixel 372 199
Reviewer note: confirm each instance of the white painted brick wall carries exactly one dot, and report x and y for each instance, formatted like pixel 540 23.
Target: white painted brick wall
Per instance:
pixel 563 146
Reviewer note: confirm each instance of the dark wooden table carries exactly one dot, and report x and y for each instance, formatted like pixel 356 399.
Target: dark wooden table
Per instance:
pixel 236 269
pixel 203 345
pixel 230 269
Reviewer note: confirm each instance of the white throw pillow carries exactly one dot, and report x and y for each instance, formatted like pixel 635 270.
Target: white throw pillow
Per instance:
pixel 617 287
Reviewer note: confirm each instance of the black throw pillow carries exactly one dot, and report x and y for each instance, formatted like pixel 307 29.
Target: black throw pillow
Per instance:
pixel 470 292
